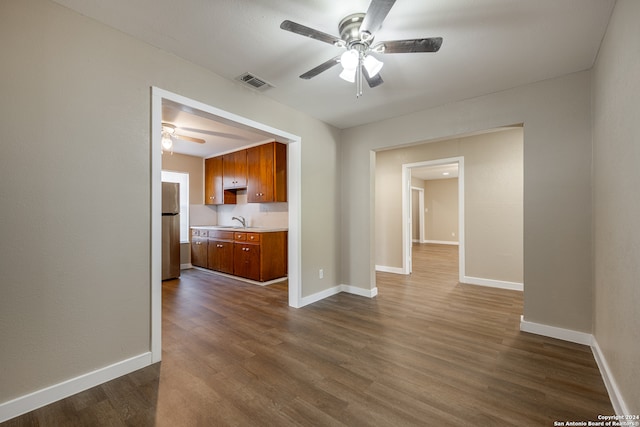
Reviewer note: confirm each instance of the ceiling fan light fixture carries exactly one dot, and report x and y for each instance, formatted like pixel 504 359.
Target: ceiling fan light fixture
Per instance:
pixel 373 65
pixel 168 128
pixel 348 75
pixel 167 143
pixel 350 59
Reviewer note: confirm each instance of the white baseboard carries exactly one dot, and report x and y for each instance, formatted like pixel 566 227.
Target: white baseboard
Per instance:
pixel 45 396
pixel 618 403
pixel 369 293
pixel 514 286
pixel 555 332
pixel 610 383
pixel 386 269
pixel 441 242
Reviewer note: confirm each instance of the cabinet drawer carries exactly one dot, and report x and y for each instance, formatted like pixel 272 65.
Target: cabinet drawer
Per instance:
pixel 253 237
pixel 240 237
pixel 198 232
pixel 219 234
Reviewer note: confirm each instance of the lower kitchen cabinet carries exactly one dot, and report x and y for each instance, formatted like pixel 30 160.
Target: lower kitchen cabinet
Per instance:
pixel 257 256
pixel 246 260
pixel 260 256
pixel 199 243
pixel 220 251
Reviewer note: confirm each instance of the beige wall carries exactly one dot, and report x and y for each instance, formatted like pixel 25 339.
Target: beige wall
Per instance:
pixel 493 171
pixel 76 191
pixel 441 203
pixel 557 191
pixel 192 165
pixel 616 203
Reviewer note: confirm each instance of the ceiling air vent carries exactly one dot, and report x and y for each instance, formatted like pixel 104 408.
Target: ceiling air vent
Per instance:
pixel 254 82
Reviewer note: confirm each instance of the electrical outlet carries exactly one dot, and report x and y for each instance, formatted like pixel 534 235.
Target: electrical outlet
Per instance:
pixel 453 234
pixel 321 273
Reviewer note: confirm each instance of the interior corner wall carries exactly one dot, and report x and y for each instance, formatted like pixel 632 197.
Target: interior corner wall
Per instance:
pixel 75 113
pixel 616 204
pixel 557 191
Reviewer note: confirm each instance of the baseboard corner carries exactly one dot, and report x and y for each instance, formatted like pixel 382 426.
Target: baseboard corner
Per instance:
pixel 555 332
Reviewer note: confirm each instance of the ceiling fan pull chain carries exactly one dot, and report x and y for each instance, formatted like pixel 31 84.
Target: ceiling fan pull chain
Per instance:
pixel 359 77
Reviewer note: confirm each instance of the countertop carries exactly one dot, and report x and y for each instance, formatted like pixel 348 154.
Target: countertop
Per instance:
pixel 241 229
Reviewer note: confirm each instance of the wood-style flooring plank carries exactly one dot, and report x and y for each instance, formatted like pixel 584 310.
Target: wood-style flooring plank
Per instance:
pixel 426 351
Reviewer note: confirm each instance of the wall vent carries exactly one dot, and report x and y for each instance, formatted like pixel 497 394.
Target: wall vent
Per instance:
pixel 254 82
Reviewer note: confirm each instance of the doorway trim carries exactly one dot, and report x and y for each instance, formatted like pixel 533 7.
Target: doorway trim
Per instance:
pixel 421 229
pixel 294 161
pixel 406 211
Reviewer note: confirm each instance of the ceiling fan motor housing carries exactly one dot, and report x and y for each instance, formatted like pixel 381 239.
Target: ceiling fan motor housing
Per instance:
pixel 349 29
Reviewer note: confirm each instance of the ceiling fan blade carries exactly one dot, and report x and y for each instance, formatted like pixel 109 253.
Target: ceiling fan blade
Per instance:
pixel 377 12
pixel 374 81
pixel 409 46
pixel 309 32
pixel 189 138
pixel 320 68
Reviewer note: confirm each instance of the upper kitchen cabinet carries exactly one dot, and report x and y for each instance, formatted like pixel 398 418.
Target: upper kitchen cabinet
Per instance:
pixel 234 167
pixel 213 193
pixel 267 173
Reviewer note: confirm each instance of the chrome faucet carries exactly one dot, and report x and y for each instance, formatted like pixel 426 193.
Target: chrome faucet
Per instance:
pixel 241 219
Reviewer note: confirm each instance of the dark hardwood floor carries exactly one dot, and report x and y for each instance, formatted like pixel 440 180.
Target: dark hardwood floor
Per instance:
pixel 427 351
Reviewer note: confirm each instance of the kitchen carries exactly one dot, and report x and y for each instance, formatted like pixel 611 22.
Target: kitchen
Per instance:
pixel 237 195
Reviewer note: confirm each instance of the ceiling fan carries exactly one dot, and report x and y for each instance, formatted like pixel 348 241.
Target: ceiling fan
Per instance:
pixel 169 134
pixel 357 32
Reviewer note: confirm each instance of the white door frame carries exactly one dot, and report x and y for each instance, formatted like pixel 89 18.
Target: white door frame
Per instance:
pixel 294 160
pixel 420 212
pixel 406 211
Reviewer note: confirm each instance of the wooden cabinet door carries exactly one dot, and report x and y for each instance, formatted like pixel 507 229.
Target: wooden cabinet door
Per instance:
pixel 213 193
pixel 246 260
pixel 221 256
pixel 234 168
pixel 260 174
pixel 267 173
pixel 199 251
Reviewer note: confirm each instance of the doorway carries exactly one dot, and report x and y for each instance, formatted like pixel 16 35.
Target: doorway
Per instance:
pixel 434 212
pixel 294 200
pixel 435 167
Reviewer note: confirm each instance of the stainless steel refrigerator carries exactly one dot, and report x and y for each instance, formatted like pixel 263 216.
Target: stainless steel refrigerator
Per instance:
pixel 170 230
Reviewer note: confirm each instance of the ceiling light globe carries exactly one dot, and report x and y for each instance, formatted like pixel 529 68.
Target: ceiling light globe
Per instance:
pixel 372 65
pixel 350 59
pixel 166 141
pixel 348 75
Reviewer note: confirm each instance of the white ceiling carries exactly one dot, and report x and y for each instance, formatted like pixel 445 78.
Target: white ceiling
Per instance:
pixel 429 173
pixel 219 137
pixel 489 45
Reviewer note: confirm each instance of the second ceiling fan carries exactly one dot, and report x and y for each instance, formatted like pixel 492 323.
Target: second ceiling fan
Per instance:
pixel 357 32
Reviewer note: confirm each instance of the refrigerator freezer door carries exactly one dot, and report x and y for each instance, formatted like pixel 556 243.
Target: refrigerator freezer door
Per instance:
pixel 170 198
pixel 170 246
